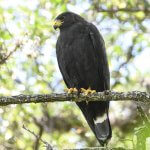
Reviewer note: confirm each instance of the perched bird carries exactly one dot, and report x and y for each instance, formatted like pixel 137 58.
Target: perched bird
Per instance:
pixel 82 60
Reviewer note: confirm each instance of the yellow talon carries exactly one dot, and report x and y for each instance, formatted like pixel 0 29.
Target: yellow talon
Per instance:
pixel 88 91
pixel 75 90
pixel 72 90
pixel 83 90
pixel 93 91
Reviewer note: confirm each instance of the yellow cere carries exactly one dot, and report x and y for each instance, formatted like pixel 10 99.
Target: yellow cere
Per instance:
pixel 57 23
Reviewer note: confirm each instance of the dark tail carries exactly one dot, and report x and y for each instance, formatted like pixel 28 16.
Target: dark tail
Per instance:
pixel 96 114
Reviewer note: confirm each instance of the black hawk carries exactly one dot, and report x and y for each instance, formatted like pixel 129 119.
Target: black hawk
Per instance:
pixel 83 63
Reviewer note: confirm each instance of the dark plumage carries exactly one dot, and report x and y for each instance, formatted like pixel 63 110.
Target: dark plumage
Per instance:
pixel 83 63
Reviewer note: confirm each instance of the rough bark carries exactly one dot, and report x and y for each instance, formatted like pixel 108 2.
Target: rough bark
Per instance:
pixel 54 97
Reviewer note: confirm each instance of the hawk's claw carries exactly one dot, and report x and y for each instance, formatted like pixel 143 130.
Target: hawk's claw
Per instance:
pixel 72 90
pixel 87 91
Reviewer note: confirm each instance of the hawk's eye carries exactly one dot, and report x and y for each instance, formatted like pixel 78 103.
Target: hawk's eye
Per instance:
pixel 63 17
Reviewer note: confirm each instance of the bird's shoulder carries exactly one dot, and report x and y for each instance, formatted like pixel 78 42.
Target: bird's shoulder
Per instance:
pixel 95 35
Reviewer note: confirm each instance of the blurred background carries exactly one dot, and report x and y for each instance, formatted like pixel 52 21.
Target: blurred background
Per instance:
pixel 28 65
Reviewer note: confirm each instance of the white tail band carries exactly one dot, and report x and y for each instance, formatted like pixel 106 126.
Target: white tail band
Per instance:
pixel 100 119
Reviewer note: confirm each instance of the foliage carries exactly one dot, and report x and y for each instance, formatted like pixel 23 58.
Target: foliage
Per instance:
pixel 27 37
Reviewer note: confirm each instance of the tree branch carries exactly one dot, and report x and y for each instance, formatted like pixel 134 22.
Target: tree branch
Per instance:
pixel 4 57
pixel 132 10
pixel 54 97
pixel 47 145
pixel 100 148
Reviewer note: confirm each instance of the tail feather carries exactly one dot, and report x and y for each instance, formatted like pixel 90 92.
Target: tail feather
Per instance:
pixel 98 120
pixel 102 128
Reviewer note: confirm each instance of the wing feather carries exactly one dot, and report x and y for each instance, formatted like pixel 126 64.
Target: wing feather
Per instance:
pixel 100 54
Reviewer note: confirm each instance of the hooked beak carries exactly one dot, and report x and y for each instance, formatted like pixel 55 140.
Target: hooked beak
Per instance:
pixel 57 23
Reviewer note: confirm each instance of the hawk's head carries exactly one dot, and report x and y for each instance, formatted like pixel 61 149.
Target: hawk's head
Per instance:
pixel 66 19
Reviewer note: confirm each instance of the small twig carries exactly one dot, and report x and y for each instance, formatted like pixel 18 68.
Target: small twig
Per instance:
pixel 132 10
pixel 17 45
pixel 47 145
pixel 3 60
pixel 100 148
pixel 143 115
pixel 36 147
pixel 89 148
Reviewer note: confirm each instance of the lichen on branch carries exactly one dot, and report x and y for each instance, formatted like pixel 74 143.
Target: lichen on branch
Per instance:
pixel 54 97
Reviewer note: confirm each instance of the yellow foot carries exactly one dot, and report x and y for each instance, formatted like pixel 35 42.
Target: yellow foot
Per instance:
pixel 88 91
pixel 72 90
